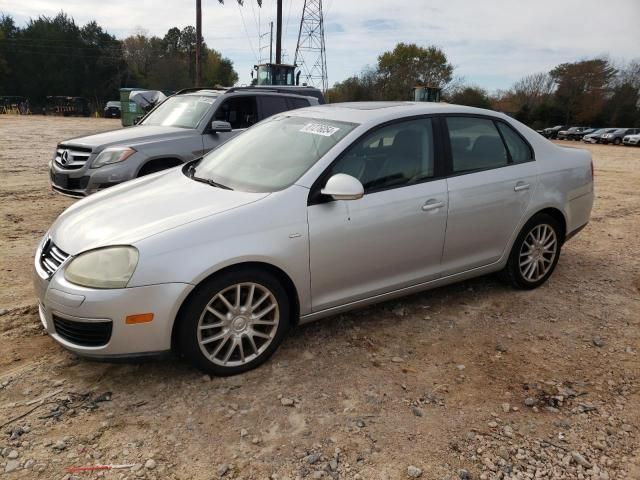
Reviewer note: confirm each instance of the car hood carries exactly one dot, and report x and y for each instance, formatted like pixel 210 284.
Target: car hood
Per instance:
pixel 127 213
pixel 130 136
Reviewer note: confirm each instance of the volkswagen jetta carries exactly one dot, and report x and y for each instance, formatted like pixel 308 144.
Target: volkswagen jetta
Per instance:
pixel 309 213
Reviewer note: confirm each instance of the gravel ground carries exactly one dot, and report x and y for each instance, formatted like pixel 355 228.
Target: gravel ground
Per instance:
pixel 471 381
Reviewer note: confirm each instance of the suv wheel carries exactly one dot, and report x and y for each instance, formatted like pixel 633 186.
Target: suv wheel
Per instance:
pixel 535 253
pixel 234 322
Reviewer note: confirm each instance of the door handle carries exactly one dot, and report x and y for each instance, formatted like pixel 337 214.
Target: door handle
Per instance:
pixel 521 186
pixel 432 205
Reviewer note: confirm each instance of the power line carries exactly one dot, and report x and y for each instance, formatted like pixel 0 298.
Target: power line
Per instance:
pixel 247 32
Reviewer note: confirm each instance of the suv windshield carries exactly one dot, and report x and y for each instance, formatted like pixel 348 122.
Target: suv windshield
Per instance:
pixel 271 155
pixel 184 111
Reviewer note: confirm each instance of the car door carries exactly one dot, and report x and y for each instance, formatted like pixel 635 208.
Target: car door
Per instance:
pixel 241 111
pixel 493 175
pixel 393 236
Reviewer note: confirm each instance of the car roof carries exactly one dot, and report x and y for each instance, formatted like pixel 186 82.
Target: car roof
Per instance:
pixel 364 112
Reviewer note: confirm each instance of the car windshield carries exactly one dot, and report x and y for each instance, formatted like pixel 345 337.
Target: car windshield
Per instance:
pixel 271 155
pixel 113 104
pixel 184 111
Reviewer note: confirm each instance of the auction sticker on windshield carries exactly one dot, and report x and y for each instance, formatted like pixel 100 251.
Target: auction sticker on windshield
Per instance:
pixel 319 129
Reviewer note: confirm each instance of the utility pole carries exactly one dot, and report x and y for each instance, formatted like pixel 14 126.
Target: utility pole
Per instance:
pixel 198 41
pixel 271 45
pixel 279 33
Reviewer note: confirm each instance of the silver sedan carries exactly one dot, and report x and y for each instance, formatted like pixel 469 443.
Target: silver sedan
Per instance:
pixel 305 215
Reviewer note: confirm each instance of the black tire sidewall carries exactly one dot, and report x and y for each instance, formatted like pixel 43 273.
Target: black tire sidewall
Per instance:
pixel 190 314
pixel 513 266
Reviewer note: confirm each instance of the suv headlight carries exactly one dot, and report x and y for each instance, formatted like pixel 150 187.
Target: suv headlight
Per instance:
pixel 110 267
pixel 112 155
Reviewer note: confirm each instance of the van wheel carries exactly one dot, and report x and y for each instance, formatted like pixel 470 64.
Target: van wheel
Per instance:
pixel 234 322
pixel 535 253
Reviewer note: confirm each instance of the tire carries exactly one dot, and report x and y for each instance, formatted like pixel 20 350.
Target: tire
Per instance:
pixel 527 277
pixel 234 342
pixel 617 141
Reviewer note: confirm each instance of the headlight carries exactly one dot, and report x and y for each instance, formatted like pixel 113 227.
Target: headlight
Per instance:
pixel 112 155
pixel 110 267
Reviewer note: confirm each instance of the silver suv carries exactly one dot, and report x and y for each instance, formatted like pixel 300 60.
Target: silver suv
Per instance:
pixel 183 127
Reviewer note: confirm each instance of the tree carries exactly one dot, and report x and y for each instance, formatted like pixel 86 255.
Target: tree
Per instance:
pixel 359 88
pixel 408 65
pixel 581 88
pixel 217 70
pixel 471 97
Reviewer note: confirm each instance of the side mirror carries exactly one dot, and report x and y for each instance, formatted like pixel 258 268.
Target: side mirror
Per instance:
pixel 343 187
pixel 220 126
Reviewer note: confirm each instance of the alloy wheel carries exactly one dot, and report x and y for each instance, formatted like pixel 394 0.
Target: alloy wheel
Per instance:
pixel 538 252
pixel 238 324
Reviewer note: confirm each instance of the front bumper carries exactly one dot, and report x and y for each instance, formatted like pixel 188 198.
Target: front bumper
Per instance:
pixel 633 141
pixel 84 181
pixel 78 318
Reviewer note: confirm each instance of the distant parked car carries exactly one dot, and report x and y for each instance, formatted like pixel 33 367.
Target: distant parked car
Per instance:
pixel 632 140
pixel 112 109
pixel 577 136
pixel 595 136
pixel 617 136
pixel 569 133
pixel 552 132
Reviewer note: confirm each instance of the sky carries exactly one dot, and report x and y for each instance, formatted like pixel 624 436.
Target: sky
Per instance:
pixel 491 43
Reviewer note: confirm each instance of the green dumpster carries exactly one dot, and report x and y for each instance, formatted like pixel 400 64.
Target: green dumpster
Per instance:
pixel 130 110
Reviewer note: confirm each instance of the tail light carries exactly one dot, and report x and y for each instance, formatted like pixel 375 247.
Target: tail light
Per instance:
pixel 591 170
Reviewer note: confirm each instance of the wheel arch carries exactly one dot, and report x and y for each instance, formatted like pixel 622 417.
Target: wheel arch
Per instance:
pixel 558 216
pixel 281 275
pixel 167 162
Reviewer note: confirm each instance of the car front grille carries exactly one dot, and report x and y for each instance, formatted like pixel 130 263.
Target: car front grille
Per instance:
pixel 86 334
pixel 70 157
pixel 51 258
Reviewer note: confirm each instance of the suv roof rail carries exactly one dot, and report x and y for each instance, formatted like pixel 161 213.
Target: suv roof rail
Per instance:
pixel 197 89
pixel 274 88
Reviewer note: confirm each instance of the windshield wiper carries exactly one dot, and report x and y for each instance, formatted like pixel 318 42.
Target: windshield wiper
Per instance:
pixel 210 182
pixel 191 173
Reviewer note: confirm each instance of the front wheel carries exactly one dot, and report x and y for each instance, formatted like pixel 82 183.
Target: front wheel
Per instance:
pixel 234 322
pixel 535 253
pixel 617 141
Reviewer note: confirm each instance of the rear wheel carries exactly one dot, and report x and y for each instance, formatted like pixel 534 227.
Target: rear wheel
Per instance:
pixel 234 322
pixel 535 253
pixel 617 141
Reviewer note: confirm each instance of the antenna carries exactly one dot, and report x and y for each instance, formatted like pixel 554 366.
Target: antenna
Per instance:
pixel 310 53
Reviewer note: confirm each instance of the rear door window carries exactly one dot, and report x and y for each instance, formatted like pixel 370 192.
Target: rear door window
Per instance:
pixel 476 144
pixel 297 103
pixel 272 105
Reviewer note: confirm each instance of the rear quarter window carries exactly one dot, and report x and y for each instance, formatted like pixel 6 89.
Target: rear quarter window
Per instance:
pixel 519 149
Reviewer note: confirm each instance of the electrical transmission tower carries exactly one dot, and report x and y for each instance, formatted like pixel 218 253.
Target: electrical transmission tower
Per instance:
pixel 310 53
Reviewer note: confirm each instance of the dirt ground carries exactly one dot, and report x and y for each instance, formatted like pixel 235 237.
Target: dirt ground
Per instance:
pixel 470 381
